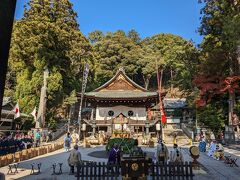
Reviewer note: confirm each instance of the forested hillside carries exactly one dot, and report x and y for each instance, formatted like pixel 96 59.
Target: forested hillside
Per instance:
pixel 48 36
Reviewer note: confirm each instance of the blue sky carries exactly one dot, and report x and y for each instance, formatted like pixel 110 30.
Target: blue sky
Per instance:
pixel 147 17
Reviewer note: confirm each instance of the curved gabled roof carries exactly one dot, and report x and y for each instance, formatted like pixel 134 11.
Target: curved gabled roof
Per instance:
pixel 122 73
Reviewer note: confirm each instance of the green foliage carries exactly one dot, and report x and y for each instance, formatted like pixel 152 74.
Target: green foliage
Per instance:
pixel 47 36
pixel 113 51
pixel 125 144
pixel 134 36
pixel 52 124
pixel 220 27
pixel 171 53
pixel 212 117
pixel 95 36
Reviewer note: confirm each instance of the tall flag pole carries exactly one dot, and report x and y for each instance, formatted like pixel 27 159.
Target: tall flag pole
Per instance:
pixel 84 83
pixel 159 82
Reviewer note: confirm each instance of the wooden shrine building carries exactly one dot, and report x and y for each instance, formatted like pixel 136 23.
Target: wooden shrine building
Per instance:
pixel 120 105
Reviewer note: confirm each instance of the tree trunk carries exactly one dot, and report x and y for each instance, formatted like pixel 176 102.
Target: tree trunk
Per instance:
pixel 238 58
pixel 171 88
pixel 146 81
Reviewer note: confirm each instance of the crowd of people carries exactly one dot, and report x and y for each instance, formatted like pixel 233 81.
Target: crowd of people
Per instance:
pixel 162 153
pixel 215 149
pixel 13 143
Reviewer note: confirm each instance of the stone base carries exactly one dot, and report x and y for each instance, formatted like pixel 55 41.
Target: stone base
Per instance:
pixel 229 135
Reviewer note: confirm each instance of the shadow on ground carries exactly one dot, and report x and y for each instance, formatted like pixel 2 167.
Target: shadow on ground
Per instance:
pixel 104 154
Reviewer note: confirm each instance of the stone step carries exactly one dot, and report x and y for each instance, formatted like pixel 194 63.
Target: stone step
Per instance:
pixel 169 134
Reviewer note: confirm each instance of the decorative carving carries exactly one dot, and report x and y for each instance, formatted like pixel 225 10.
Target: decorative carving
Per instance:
pixel 134 166
pixel 120 83
pixel 120 119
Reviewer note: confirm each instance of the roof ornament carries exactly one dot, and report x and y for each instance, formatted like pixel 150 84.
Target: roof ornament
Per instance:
pixel 121 69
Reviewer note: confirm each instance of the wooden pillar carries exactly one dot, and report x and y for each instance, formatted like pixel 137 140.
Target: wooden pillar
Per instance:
pixel 7 10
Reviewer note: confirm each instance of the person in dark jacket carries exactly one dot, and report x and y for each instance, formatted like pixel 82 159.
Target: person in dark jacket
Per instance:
pixel 114 155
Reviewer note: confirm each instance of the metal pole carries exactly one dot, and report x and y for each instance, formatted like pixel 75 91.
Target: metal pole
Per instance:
pixel 196 123
pixel 84 82
pixel 159 82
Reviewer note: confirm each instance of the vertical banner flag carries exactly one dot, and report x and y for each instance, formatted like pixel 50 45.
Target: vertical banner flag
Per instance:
pixel 163 115
pixel 34 114
pixel 16 111
pixel 85 76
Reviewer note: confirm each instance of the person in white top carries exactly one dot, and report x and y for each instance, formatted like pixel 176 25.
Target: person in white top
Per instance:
pixel 67 142
pixel 176 155
pixel 212 148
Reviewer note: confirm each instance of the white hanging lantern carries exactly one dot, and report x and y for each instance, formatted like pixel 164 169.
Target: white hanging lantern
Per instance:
pixel 84 126
pixel 158 127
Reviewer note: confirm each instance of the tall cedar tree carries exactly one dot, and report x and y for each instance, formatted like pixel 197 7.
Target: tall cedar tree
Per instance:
pixel 219 67
pixel 48 35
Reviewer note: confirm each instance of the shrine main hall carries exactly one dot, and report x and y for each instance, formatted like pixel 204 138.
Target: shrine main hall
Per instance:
pixel 120 105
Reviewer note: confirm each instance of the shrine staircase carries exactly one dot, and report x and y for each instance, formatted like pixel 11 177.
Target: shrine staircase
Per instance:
pixel 170 131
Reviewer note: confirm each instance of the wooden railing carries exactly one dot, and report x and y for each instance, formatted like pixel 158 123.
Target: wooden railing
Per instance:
pixel 29 153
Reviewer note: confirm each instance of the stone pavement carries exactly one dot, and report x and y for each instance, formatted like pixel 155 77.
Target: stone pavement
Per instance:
pixel 216 170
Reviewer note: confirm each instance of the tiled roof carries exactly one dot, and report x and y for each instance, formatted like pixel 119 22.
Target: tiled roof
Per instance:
pixel 173 103
pixel 120 71
pixel 121 94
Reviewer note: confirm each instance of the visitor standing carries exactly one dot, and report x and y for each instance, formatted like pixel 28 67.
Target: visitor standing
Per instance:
pixel 162 152
pixel 212 147
pixel 202 145
pixel 38 138
pixel 74 158
pixel 176 155
pixel 67 142
pixel 114 155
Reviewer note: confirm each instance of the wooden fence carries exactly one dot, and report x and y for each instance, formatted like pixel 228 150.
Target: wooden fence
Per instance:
pixel 171 171
pixel 93 170
pixel 29 153
pixel 157 171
